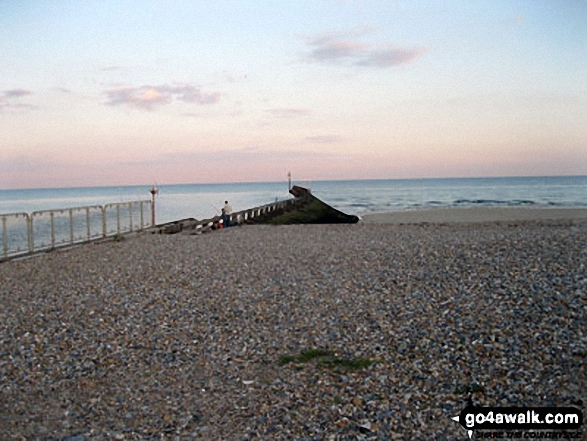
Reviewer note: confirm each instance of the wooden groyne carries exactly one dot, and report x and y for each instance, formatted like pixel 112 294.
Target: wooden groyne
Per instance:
pixel 305 208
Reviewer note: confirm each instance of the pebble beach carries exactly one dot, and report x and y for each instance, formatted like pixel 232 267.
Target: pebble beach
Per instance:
pixel 371 331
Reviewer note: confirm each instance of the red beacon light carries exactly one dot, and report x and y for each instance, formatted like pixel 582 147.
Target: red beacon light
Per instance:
pixel 154 191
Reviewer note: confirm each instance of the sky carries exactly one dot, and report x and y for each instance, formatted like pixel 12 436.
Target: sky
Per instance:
pixel 140 92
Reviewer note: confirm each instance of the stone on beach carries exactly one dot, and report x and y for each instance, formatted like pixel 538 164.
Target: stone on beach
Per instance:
pixel 181 336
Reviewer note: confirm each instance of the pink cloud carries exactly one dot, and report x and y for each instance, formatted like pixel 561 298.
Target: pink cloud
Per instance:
pixel 9 99
pixel 390 57
pixel 344 49
pixel 190 94
pixel 16 93
pixel 149 97
pixel 327 49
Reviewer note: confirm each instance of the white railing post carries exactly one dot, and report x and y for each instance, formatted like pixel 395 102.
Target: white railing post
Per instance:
pixel 71 226
pixel 103 221
pixel 52 216
pixel 88 229
pixel 117 218
pixel 142 215
pixel 4 237
pixel 31 234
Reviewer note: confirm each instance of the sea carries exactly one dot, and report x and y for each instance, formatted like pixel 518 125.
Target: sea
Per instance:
pixel 201 201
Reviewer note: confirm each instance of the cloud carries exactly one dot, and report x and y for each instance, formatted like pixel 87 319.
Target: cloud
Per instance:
pixel 191 94
pixel 345 49
pixel 16 93
pixel 9 99
pixel 331 50
pixel 288 112
pixel 390 57
pixel 149 97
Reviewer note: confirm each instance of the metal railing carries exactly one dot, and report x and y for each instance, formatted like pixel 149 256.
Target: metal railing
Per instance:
pixel 22 233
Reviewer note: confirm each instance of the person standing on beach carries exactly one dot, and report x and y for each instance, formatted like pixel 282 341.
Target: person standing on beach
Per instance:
pixel 226 212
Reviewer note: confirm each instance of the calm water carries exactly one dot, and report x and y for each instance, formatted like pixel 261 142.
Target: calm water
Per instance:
pixel 354 197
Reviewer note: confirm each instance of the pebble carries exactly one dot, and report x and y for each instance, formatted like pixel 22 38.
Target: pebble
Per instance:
pixel 178 336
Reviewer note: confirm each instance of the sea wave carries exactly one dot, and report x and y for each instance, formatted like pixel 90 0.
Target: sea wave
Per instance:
pixel 510 202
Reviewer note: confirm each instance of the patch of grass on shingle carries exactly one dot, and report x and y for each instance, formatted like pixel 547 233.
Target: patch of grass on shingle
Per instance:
pixel 345 363
pixel 327 359
pixel 286 359
pixel 312 354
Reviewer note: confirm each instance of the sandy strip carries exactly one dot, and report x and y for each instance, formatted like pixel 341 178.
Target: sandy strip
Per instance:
pixel 478 214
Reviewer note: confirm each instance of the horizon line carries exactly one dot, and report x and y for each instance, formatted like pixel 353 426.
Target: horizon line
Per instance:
pixel 298 180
